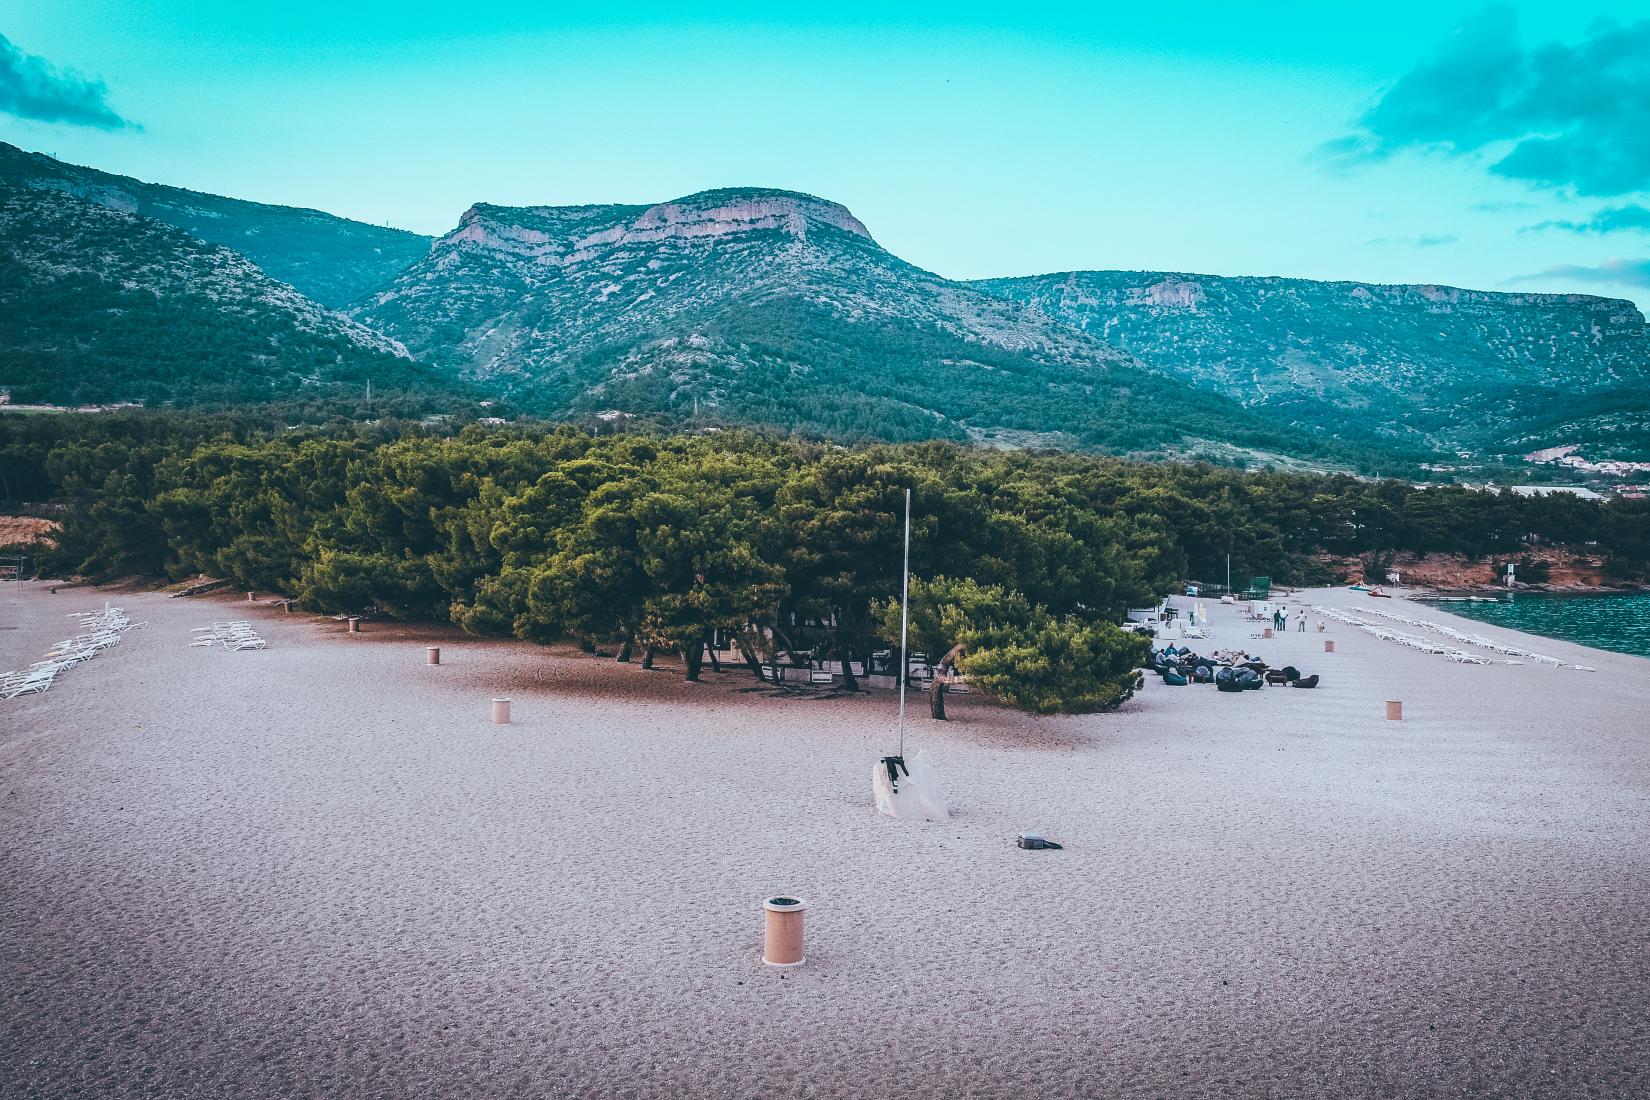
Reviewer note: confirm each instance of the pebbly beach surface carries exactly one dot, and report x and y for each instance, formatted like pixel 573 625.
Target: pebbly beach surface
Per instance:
pixel 318 869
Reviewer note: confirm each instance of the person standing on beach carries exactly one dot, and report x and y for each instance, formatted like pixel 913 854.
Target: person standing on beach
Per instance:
pixel 1300 617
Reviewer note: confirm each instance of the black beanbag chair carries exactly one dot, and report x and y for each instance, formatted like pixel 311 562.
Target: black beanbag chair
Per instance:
pixel 1291 673
pixel 1203 673
pixel 1226 680
pixel 1250 681
pixel 1310 682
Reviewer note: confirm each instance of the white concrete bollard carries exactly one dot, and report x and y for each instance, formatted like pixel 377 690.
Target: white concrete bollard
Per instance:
pixel 251 597
pixel 1394 710
pixel 1267 633
pixel 782 932
pixel 354 626
pixel 1328 645
pixel 432 655
pixel 501 712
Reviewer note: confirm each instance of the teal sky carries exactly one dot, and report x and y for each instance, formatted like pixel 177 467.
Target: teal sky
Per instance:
pixel 1401 143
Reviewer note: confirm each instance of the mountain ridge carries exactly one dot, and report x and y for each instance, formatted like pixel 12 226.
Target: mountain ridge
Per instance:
pixel 1440 366
pixel 710 299
pixel 101 305
pixel 768 306
pixel 334 260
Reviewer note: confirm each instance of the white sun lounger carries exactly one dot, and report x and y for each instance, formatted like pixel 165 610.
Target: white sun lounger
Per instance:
pixel 37 681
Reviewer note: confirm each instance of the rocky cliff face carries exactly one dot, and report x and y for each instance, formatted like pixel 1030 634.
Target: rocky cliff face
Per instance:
pixel 332 260
pixel 577 234
pixel 1468 369
pixel 765 306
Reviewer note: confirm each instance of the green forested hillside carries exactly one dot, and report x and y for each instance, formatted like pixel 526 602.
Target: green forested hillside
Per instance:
pixel 100 306
pixel 333 260
pixel 755 307
pixel 1433 366
pixel 773 308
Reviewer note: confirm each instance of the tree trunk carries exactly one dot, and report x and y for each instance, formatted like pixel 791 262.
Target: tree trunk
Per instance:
pixel 786 644
pixel 625 651
pixel 848 681
pixel 750 658
pixel 693 659
pixel 709 647
pixel 936 700
pixel 647 659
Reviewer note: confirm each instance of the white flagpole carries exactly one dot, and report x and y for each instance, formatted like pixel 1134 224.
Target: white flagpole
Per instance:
pixel 904 621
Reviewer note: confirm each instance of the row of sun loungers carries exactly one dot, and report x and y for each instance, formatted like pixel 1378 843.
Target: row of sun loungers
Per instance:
pixel 235 635
pixel 99 631
pixel 1403 638
pixel 1481 641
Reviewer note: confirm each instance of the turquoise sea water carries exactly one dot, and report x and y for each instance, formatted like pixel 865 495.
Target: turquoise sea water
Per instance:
pixel 1621 623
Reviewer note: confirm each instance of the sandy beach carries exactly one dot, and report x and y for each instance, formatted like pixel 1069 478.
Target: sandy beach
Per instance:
pixel 318 870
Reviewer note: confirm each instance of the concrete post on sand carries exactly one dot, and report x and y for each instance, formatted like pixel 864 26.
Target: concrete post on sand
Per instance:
pixel 1267 633
pixel 1394 710
pixel 432 655
pixel 354 626
pixel 501 712
pixel 782 932
pixel 251 597
pixel 1329 645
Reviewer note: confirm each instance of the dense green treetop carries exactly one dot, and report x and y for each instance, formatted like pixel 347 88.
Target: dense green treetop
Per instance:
pixel 1024 560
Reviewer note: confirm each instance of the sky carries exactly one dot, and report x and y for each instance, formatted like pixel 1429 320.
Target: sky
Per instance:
pixel 1502 147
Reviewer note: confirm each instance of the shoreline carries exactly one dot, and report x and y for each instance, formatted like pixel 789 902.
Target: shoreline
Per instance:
pixel 1529 590
pixel 1547 638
